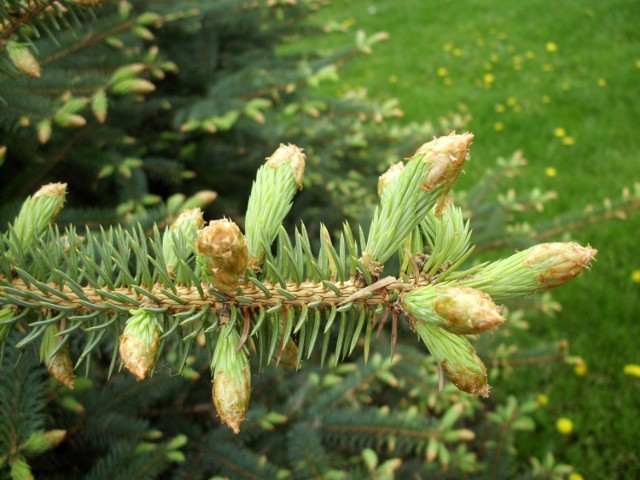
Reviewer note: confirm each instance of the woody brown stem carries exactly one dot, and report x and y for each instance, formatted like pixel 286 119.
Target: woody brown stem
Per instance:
pixel 305 293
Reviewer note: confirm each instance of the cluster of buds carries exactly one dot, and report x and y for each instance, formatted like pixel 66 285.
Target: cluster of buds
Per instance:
pixel 139 343
pixel 443 314
pixel 409 191
pixel 231 378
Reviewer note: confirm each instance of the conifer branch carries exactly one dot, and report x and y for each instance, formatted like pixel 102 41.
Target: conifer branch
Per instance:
pixel 240 297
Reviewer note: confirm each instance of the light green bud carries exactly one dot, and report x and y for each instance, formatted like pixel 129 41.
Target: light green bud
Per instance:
pixel 231 379
pixel 460 310
pixel 139 343
pixel 39 211
pixel 457 357
pixel 532 270
pixel 187 225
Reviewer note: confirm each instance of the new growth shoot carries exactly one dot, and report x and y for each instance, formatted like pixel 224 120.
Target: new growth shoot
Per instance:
pixel 262 296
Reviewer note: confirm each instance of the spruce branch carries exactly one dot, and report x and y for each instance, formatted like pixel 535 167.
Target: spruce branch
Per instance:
pixel 266 296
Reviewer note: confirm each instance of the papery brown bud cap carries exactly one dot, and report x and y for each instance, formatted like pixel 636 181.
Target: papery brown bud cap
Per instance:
pixel 60 367
pixel 391 175
pixel 447 155
pixel 53 190
pixel 558 262
pixel 193 215
pixel 292 155
pixel 225 249
pixel 469 378
pixel 467 310
pixel 231 397
pixel 139 355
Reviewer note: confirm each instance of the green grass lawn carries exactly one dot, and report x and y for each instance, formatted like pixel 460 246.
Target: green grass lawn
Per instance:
pixel 561 82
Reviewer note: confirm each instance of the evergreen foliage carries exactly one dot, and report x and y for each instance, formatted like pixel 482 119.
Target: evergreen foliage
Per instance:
pixel 148 99
pixel 79 291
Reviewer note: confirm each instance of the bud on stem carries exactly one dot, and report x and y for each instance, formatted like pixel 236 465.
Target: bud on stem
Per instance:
pixel 57 359
pixel 186 226
pixel 389 180
pixel 459 310
pixel 139 343
pixel 447 156
pixel 21 56
pixel 276 184
pixel 532 270
pixel 424 181
pixel 39 211
pixel 231 378
pixel 458 358
pixel 222 250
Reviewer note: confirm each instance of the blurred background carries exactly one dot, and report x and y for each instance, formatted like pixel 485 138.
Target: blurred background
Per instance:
pixel 145 108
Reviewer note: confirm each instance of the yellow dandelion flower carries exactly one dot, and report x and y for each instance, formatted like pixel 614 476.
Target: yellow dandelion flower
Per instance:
pixel 457 52
pixel 393 79
pixel 493 57
pixel 546 99
pixel 500 108
pixel 547 67
pixel 550 172
pixel 566 87
pixel 632 369
pixel 564 426
pixel 569 141
pixel 447 47
pixel 635 276
pixel 448 81
pixel 576 476
pixel 442 72
pixel 543 399
pixel 551 47
pixel 488 78
pixel 498 126
pixel 580 369
pixel 637 63
pixel 480 42
pixel 602 82
pixel 529 54
pixel 560 132
pixel 512 101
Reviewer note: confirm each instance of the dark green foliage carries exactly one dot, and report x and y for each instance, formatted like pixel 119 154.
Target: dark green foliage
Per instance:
pixel 149 99
pixel 224 95
pixel 309 424
pixel 22 403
